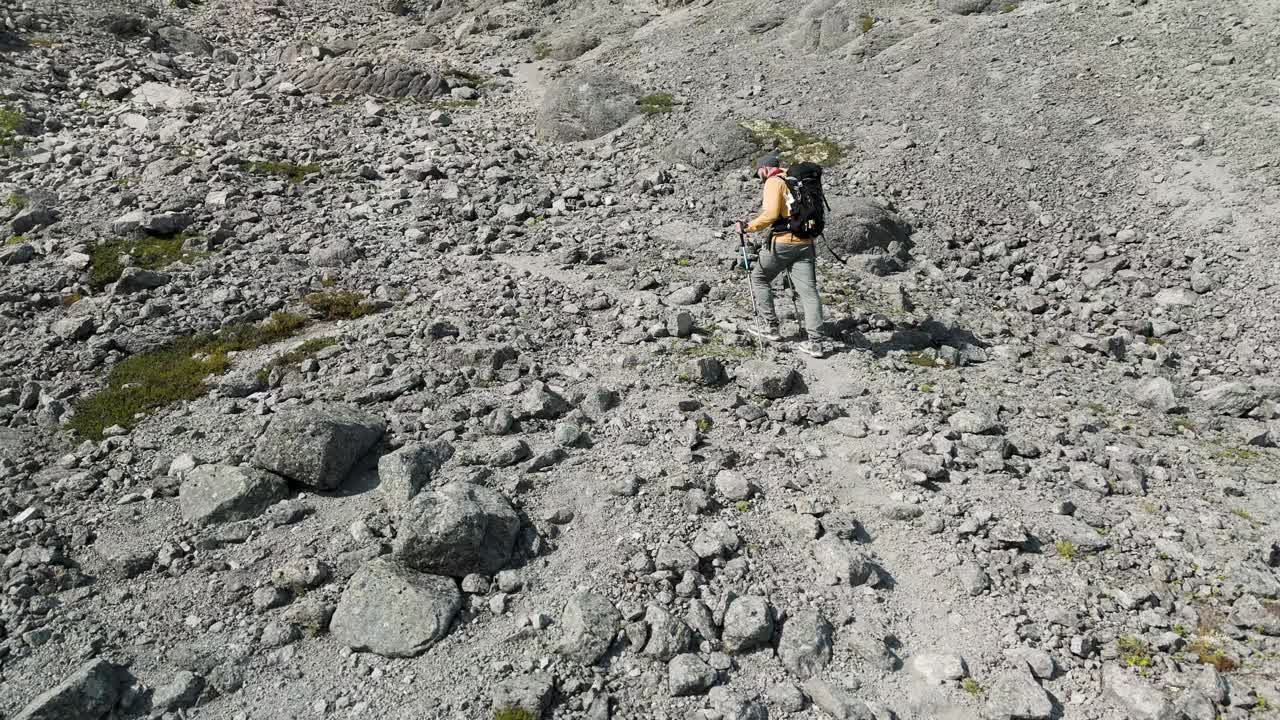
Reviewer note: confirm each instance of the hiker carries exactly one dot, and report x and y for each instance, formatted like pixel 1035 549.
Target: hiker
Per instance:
pixel 785 252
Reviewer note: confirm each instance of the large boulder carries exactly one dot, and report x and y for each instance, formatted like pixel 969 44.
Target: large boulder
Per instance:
pixel 91 691
pixel 863 226
pixel 394 611
pixel 716 145
pixel 458 529
pixel 586 105
pixel 317 445
pixel 588 625
pixel 226 493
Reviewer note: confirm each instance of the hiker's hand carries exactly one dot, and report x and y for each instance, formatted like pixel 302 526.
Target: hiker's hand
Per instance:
pixel 739 227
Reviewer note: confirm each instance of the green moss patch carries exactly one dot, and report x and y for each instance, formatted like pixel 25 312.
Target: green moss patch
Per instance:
pixel 338 305
pixel 657 103
pixel 542 50
pixel 149 253
pixel 513 713
pixel 148 381
pixel 793 144
pixel 292 172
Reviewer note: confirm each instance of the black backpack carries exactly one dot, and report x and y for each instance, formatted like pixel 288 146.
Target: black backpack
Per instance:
pixel 806 202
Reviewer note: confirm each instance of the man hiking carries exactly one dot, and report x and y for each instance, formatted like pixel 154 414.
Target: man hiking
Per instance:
pixel 785 252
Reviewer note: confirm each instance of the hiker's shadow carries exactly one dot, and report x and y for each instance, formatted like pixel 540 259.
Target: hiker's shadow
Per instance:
pixel 930 334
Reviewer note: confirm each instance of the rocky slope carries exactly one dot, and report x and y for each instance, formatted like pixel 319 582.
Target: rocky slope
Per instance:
pixel 387 360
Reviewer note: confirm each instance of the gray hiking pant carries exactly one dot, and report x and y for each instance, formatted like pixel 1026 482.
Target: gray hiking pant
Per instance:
pixel 799 260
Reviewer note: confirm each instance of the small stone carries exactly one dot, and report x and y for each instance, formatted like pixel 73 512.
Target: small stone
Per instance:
pixel 688 674
pixel 937 668
pixel 748 624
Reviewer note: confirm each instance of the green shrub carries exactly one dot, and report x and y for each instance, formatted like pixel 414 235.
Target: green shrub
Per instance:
pixel 338 305
pixel 541 50
pixel 145 382
pixel 971 686
pixel 1134 651
pixel 513 713
pixel 11 122
pixel 868 22
pixel 1066 549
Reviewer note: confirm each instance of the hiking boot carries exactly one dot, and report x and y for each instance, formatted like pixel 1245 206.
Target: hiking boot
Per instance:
pixel 765 332
pixel 814 348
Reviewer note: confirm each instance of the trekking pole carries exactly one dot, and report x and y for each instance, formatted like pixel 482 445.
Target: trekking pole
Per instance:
pixel 746 263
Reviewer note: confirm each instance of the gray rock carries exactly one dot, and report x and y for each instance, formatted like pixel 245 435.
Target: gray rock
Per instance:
pixel 714 145
pixel 1231 398
pixel 180 693
pixel 1039 662
pixel 360 76
pixel 588 625
pixel 973 578
pixel 74 328
pixel 393 610
pixel 1176 297
pixel 530 693
pixel 1015 695
pixel 731 706
pixel 963 7
pixel 836 701
pixel 703 371
pixel 748 624
pixel 733 485
pixel 543 403
pixel 976 421
pixel 18 254
pixel 157 95
pixel 765 379
pixel 1141 700
pixel 688 295
pixel 688 674
pixel 402 474
pixel 585 105
pixel 668 635
pixel 509 452
pixel 838 561
pixel 90 691
pixel 1194 705
pixel 317 445
pixel 457 529
pixel 226 493
pixel 32 217
pixel 135 279
pixel 937 668
pixel 333 253
pixel 1249 612
pixel 1155 393
pixel 862 226
pixel 804 644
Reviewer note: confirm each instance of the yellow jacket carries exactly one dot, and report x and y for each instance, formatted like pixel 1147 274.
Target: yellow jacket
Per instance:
pixel 773 208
